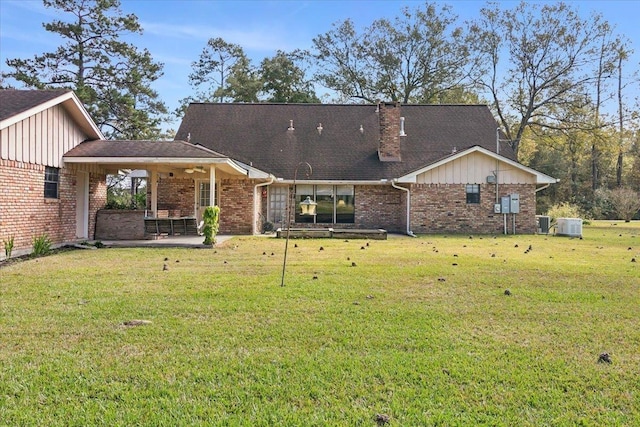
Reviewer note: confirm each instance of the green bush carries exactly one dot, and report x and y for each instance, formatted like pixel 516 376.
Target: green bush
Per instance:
pixel 8 247
pixel 564 210
pixel 41 245
pixel 211 218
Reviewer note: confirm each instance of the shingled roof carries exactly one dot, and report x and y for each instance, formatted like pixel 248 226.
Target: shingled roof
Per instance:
pixel 13 101
pixel 141 149
pixel 340 141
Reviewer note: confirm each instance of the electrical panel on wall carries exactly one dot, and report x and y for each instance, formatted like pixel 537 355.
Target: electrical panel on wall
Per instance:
pixel 505 204
pixel 515 203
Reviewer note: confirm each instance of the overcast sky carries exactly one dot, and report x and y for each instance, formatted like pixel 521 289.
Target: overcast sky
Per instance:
pixel 176 31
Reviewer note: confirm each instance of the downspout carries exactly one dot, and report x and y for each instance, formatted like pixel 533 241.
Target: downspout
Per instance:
pixel 497 164
pixel 255 204
pixel 542 188
pixel 394 185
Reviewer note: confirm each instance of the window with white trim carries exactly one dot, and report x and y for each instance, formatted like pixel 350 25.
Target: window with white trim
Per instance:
pixel 204 194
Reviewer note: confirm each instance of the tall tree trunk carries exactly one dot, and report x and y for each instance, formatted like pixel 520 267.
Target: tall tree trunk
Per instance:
pixel 621 125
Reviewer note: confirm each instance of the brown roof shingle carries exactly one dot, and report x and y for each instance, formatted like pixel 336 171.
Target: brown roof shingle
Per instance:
pixel 257 134
pixel 141 149
pixel 13 101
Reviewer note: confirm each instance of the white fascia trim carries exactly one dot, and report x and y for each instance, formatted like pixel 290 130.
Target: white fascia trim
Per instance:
pixel 332 182
pixel 540 177
pixel 158 161
pixel 253 172
pixel 52 103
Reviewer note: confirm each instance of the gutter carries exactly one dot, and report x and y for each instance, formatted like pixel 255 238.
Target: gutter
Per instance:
pixel 543 187
pixel 255 204
pixel 394 185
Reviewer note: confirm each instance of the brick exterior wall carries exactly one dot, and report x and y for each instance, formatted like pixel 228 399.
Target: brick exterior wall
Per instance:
pixel 380 206
pixel 97 199
pixel 435 208
pixel 442 208
pixel 376 206
pixel 26 213
pixel 236 206
pixel 175 195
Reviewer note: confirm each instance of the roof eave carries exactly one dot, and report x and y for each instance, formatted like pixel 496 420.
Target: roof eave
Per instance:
pixel 71 102
pixel 541 178
pixel 156 161
pixel 333 181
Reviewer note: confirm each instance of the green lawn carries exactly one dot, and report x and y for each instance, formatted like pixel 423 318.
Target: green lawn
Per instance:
pixel 417 330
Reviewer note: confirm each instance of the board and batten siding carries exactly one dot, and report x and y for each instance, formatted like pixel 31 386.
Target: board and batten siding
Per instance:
pixel 474 169
pixel 42 138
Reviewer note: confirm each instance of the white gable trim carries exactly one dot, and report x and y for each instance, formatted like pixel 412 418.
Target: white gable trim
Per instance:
pixel 72 103
pixel 540 177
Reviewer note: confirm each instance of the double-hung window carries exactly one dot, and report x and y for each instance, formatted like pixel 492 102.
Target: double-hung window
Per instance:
pixel 473 193
pixel 51 182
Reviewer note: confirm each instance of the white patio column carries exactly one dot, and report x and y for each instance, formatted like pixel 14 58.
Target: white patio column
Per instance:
pixel 154 192
pixel 212 185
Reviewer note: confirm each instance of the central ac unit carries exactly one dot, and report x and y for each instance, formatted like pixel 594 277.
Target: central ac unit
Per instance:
pixel 569 227
pixel 543 224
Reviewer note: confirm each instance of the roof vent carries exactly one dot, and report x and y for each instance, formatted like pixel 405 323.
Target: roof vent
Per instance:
pixel 291 125
pixel 189 137
pixel 402 127
pixel 319 128
pixel 361 129
pixel 454 151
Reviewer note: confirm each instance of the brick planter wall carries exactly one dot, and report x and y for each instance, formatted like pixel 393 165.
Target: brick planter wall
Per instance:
pixel 119 224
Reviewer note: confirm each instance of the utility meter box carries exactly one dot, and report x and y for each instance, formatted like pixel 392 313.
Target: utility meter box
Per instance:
pixel 505 204
pixel 497 208
pixel 515 204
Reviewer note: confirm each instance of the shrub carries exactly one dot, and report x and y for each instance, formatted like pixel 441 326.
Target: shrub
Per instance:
pixel 563 210
pixel 41 245
pixel 624 202
pixel 8 247
pixel 211 218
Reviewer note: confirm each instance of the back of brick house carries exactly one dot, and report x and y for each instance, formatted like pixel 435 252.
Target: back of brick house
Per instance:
pixel 39 195
pixel 406 169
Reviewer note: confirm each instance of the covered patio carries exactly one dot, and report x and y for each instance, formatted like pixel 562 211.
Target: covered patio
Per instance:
pixel 182 180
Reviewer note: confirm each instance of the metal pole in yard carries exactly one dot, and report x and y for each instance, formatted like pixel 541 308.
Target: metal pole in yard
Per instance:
pixel 286 245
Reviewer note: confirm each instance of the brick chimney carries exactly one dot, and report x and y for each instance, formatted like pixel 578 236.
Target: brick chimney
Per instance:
pixel 389 118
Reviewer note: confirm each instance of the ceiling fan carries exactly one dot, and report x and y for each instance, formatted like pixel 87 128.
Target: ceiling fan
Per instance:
pixel 196 169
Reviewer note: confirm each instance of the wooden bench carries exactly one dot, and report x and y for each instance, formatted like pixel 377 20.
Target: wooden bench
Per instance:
pixel 183 226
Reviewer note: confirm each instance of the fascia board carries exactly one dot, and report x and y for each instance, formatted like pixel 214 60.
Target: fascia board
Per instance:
pixel 331 182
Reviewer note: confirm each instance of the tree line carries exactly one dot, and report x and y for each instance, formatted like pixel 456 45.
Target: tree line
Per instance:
pixel 559 84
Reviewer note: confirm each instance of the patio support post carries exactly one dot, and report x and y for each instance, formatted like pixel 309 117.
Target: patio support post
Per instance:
pixel 212 186
pixel 154 192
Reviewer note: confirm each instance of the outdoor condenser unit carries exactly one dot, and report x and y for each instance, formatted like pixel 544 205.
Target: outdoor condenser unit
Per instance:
pixel 543 224
pixel 569 227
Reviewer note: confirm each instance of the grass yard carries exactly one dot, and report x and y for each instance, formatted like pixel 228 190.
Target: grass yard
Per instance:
pixel 402 332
